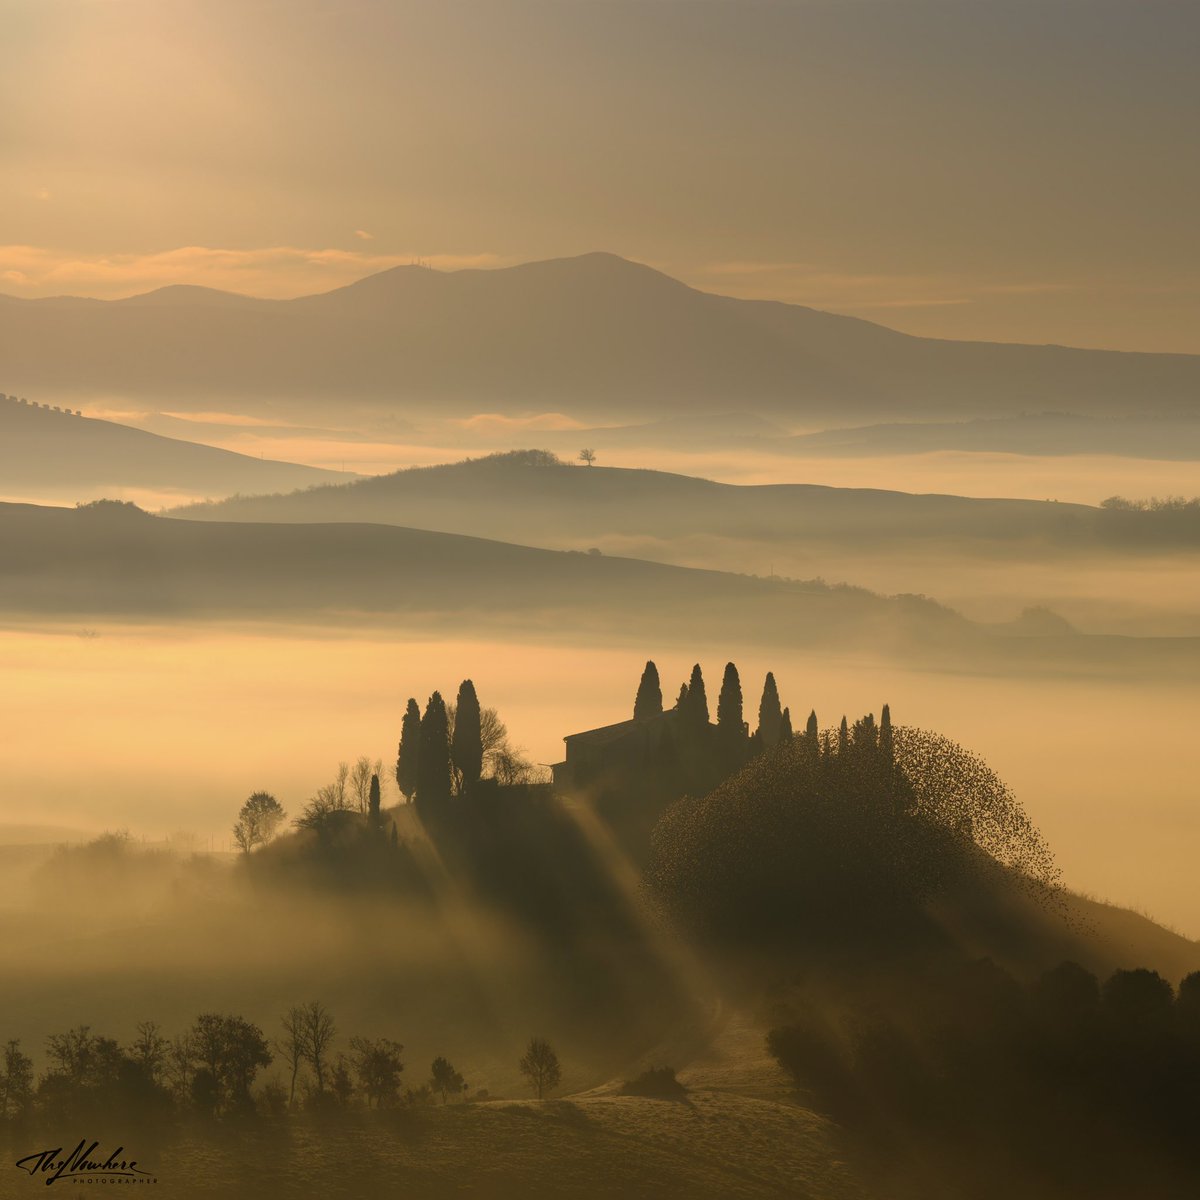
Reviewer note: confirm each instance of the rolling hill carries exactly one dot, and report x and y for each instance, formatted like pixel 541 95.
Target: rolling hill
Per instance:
pixel 594 334
pixel 113 561
pixel 527 496
pixel 44 452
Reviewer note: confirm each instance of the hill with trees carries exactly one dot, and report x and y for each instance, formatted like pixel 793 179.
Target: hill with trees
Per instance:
pixel 591 334
pixel 534 496
pixel 49 451
pixel 112 561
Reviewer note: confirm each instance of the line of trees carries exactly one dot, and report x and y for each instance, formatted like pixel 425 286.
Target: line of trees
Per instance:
pixel 212 1068
pixel 450 748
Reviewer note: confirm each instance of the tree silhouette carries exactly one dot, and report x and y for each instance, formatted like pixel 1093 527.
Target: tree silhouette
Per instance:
pixel 785 726
pixel 16 1082
pixel 318 1029
pixel 446 1081
pixel 770 715
pixel 374 799
pixel 467 746
pixel 587 456
pixel 887 745
pixel 292 1048
pixel 378 1066
pixel 843 737
pixel 540 1067
pixel 257 821
pixel 695 705
pixel 729 706
pixel 649 701
pixel 409 754
pixel 433 765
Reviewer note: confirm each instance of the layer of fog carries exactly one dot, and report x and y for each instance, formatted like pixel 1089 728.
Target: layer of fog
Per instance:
pixel 161 731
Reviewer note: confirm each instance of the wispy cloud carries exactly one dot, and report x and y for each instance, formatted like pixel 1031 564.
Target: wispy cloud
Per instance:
pixel 819 286
pixel 272 271
pixel 498 423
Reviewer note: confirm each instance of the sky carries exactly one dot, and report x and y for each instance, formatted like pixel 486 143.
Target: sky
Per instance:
pixel 1018 170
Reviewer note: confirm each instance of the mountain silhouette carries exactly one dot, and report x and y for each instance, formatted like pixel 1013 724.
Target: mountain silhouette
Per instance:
pixel 594 335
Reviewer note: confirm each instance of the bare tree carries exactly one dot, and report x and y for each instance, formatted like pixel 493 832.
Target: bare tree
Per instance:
pixel 540 1067
pixel 150 1049
pixel 319 1030
pixel 292 1047
pixel 587 456
pixel 360 782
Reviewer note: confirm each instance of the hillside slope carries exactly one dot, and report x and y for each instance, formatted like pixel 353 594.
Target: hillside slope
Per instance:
pixel 526 496
pixel 44 452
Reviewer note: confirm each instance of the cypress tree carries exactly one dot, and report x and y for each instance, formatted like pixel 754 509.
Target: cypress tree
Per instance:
pixel 887 744
pixel 681 701
pixel 649 701
pixel 373 798
pixel 467 749
pixel 433 766
pixel 409 754
pixel 697 698
pixel 785 727
pixel 812 727
pixel 729 706
pixel 843 742
pixel 770 715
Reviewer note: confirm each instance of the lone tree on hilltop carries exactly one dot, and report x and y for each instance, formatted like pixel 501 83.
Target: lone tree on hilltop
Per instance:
pixel 433 765
pixel 729 706
pixel 770 715
pixel 587 456
pixel 257 821
pixel 649 702
pixel 540 1067
pixel 467 746
pixel 409 753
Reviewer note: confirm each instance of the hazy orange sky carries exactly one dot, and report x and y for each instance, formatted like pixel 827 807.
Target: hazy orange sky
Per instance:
pixel 1005 169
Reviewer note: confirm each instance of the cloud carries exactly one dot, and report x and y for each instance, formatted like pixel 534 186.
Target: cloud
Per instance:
pixel 821 287
pixel 272 271
pixel 498 423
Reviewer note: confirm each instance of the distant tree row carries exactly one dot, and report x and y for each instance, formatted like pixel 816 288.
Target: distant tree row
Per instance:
pixel 212 1068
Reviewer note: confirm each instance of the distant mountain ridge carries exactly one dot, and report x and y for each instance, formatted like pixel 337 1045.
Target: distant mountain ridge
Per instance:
pixel 590 335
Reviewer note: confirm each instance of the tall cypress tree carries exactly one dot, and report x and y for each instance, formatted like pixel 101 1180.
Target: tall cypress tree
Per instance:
pixel 697 698
pixel 433 766
pixel 785 727
pixel 681 701
pixel 409 753
pixel 729 706
pixel 887 745
pixel 770 715
pixel 467 748
pixel 843 742
pixel 649 701
pixel 812 728
pixel 373 800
